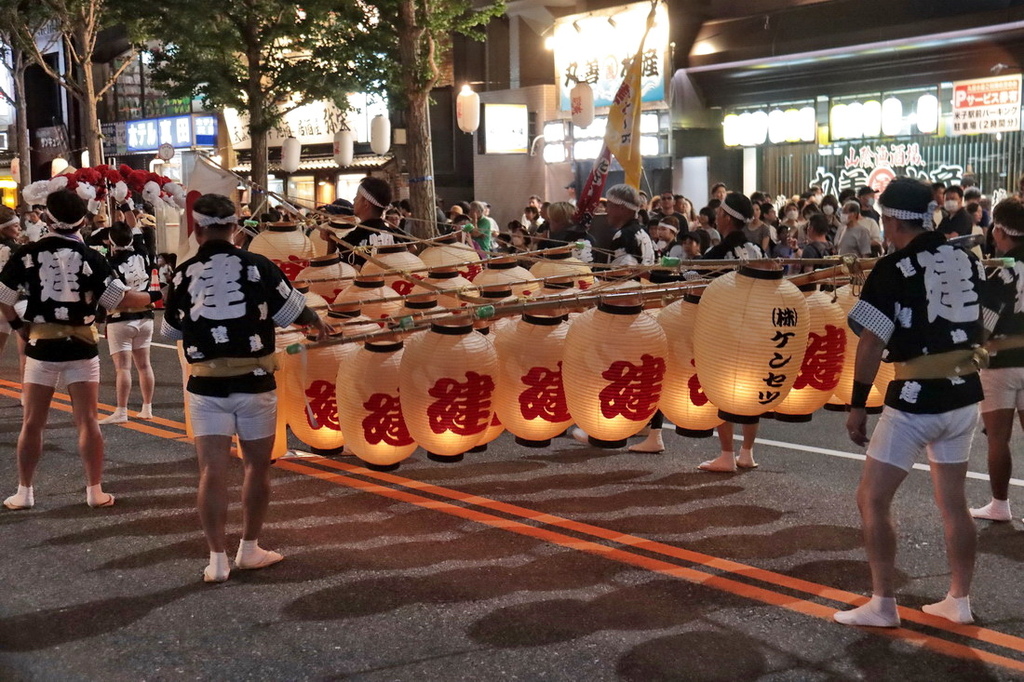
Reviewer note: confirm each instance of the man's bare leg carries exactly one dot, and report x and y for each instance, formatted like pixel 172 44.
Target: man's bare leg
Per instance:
pixel 35 399
pixel 961 541
pixel 84 395
pixel 147 383
pixel 255 501
pixel 213 453
pixel 998 427
pixel 122 385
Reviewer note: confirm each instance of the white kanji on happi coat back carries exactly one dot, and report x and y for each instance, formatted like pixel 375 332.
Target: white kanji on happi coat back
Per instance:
pixel 215 289
pixel 58 274
pixel 948 286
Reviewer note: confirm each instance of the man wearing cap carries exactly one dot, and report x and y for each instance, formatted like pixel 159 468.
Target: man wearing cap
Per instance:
pixel 1003 379
pixel 372 198
pixel 866 197
pixel 630 242
pixel 223 305
pixel 66 281
pixel 921 307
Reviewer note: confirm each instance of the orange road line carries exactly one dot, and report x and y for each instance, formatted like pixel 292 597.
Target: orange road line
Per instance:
pixel 718 582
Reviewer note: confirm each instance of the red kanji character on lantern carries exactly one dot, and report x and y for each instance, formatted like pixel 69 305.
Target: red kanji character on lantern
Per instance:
pixel 462 407
pixel 823 361
pixel 384 423
pixel 544 397
pixel 291 267
pixel 323 406
pixel 635 389
pixel 402 287
pixel 697 396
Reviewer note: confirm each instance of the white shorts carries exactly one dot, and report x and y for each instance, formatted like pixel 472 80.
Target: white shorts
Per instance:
pixel 129 335
pixel 47 373
pixel 899 437
pixel 1004 389
pixel 251 415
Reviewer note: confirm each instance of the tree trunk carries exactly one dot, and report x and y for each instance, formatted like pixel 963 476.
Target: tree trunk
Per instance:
pixel 258 127
pixel 21 119
pixel 90 119
pixel 422 196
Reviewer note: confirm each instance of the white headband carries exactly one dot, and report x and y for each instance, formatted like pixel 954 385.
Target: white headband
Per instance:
pixel 208 220
pixel 671 227
pixel 68 227
pixel 734 213
pixel 12 221
pixel 1009 230
pixel 622 202
pixel 900 214
pixel 369 197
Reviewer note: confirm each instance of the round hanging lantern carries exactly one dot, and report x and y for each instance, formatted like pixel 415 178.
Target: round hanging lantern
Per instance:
pixel 505 271
pixel 419 304
pixel 369 407
pixel 314 301
pixel 823 360
pixel 449 253
pixel 840 399
pixel 284 338
pixel 496 294
pixel 291 154
pixel 377 300
pixel 396 258
pixel 380 134
pixel 560 263
pixel 683 399
pixel 344 148
pixel 582 99
pixel 657 279
pixel 286 246
pixel 467 110
pixel 446 284
pixel 612 369
pixel 562 288
pixel 327 275
pixel 749 341
pixel 446 385
pixel 530 399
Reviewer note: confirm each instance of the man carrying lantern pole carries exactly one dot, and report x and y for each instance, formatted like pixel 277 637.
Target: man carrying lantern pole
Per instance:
pixel 223 304
pixel 372 198
pixel 921 306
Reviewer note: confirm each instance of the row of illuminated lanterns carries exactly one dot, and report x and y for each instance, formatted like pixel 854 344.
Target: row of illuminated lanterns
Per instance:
pixel 846 121
pixel 344 145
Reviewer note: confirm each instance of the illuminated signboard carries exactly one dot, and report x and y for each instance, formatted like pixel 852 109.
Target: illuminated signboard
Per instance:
pixel 506 129
pixel 987 105
pixel 181 132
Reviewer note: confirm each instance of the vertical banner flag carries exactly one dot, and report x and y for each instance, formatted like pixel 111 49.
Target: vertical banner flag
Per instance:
pixel 622 135
pixel 205 179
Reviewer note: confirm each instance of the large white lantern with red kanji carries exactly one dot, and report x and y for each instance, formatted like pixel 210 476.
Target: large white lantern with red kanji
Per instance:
pixel 448 252
pixel 447 381
pixel 823 361
pixel 581 98
pixel 840 399
pixel 749 341
pixel 561 263
pixel 377 300
pixel 327 275
pixel 286 245
pixel 369 407
pixel 395 259
pixel 446 284
pixel 498 271
pixel 683 399
pixel 613 370
pixel 530 398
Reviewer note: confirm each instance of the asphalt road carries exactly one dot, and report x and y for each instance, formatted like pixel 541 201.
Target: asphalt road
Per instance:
pixel 569 563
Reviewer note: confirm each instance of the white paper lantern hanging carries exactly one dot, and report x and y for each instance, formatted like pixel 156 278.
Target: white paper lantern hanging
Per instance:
pixel 467 110
pixel 291 153
pixel 380 134
pixel 892 117
pixel 927 113
pixel 581 99
pixel 344 148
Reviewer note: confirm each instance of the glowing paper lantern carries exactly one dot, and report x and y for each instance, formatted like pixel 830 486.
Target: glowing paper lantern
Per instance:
pixel 499 293
pixel 683 399
pixel 561 263
pixel 840 399
pixel 749 341
pixel 732 134
pixel 837 122
pixel 369 407
pixel 344 148
pixel 823 361
pixel 396 259
pixel 446 385
pixel 377 300
pixel 380 134
pixel 506 271
pixel 530 399
pixel 291 154
pixel 467 110
pixel 327 275
pixel 777 126
pixel 927 113
pixel 581 98
pixel 284 338
pixel 286 246
pixel 892 117
pixel 871 116
pixel 808 124
pixel 449 253
pixel 612 369
pixel 446 284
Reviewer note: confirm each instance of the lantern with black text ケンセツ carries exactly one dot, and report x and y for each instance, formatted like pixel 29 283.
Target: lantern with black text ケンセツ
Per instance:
pixel 449 252
pixel 446 386
pixel 369 407
pixel 840 400
pixel 377 300
pixel 507 271
pixel 286 246
pixel 447 284
pixel 529 398
pixel 823 360
pixel 395 260
pixel 327 275
pixel 581 98
pixel 561 263
pixel 749 341
pixel 683 399
pixel 613 370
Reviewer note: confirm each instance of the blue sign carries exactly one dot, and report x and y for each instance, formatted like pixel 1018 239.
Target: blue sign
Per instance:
pixel 181 132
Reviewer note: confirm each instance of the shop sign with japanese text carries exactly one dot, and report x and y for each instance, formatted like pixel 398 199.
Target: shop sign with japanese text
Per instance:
pixel 987 105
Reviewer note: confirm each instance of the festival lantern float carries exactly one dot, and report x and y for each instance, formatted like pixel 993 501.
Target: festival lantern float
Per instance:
pixel 683 399
pixel 507 271
pixel 446 385
pixel 749 341
pixel 613 368
pixel 396 259
pixel 286 245
pixel 823 361
pixel 378 301
pixel 447 284
pixel 561 262
pixel 327 275
pixel 448 252
pixel 529 398
pixel 840 399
